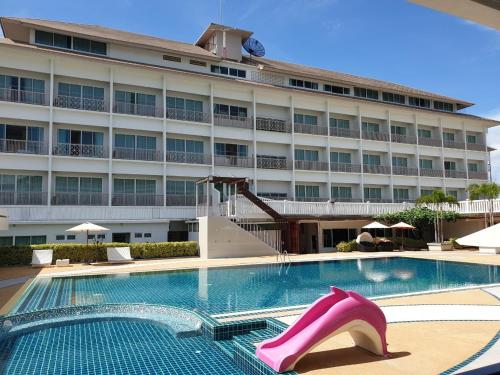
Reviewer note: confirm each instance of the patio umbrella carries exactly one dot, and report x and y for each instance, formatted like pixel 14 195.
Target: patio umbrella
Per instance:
pixel 488 237
pixel 403 226
pixel 376 225
pixel 87 228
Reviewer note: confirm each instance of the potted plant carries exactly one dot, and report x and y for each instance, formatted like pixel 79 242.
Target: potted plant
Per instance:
pixel 438 201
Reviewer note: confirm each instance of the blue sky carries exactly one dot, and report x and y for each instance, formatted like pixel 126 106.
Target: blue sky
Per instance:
pixel 392 40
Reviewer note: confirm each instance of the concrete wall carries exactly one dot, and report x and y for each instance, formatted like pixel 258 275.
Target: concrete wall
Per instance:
pixel 221 238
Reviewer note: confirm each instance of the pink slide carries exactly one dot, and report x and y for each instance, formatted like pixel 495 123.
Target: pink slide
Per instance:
pixel 337 312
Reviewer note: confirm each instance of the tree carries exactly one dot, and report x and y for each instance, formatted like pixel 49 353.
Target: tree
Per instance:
pixel 488 191
pixel 438 200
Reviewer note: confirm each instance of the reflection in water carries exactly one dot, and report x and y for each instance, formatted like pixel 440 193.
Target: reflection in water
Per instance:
pixel 242 288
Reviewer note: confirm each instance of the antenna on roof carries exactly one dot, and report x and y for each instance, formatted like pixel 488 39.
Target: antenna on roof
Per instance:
pixel 254 47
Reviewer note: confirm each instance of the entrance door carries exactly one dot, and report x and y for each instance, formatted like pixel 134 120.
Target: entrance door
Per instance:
pixel 120 237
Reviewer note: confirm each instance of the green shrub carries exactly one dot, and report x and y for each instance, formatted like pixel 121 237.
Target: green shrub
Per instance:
pixel 409 243
pixel 78 253
pixel 347 247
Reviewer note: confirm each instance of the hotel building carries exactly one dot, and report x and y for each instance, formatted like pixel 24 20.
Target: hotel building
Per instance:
pixel 115 127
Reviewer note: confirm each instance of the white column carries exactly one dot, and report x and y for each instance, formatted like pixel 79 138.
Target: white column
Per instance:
pixel 443 181
pixel 391 180
pixel 254 110
pixel 51 132
pixel 360 127
pixel 110 136
pixel 212 129
pixel 466 158
pixel 328 150
pixel 419 182
pixel 164 137
pixel 292 114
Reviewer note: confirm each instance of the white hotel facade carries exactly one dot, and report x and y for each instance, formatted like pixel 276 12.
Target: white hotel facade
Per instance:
pixel 104 125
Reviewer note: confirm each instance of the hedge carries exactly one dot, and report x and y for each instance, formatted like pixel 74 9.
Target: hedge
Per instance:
pixel 79 253
pixel 347 247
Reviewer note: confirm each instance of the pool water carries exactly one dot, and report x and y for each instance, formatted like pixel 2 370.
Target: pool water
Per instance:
pixel 236 289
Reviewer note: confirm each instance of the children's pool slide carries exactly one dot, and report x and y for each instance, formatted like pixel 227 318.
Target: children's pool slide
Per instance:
pixel 337 312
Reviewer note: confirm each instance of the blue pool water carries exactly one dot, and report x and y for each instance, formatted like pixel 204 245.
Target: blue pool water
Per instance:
pixel 242 288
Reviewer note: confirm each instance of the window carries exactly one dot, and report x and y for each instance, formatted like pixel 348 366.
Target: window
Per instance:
pixel 424 133
pixel 200 63
pixel 419 102
pixel 401 194
pixel 448 137
pixel 79 91
pixel 303 84
pixel 424 192
pixel 60 237
pixel 366 93
pixel 135 142
pixel 147 235
pixel 398 130
pixel 340 157
pixel 425 163
pixel 137 235
pixel 341 192
pixel 231 149
pixel 373 193
pixel 30 240
pixel 370 159
pixel 399 161
pixel 370 127
pixel 306 191
pixel 78 137
pixel 450 166
pixel 471 139
pixel 67 42
pixel 172 58
pixel 182 145
pixel 393 98
pixel 180 187
pixel 230 110
pixel 305 119
pixel 453 193
pixel 332 237
pixel 276 196
pixel 135 103
pixel 337 89
pixel 309 155
pixel 184 104
pixel 78 184
pixel 71 237
pixel 473 167
pixel 217 69
pixel 29 184
pixel 131 186
pixel 6 241
pixel 443 106
pixel 339 123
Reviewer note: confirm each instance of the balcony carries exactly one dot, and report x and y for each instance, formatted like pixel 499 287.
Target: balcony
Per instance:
pixel 312 199
pixel 234 161
pixel 345 133
pixel 188 157
pixel 404 171
pixel 85 104
pixel 137 154
pixel 478 175
pixel 424 141
pixel 344 167
pixel 233 121
pixel 431 172
pixel 346 199
pixel 272 163
pixel 376 169
pixel 452 144
pixel 455 174
pixel 397 138
pixel 23 147
pixel 182 200
pixel 272 125
pixel 185 115
pixel 137 200
pixel 10 198
pixel 311 165
pixel 376 136
pixel 404 200
pixel 378 200
pixel 77 150
pixel 476 146
pixel 311 129
pixel 138 109
pixel 27 97
pixel 79 199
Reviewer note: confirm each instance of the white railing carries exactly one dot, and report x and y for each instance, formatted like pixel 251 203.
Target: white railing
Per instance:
pixel 271 237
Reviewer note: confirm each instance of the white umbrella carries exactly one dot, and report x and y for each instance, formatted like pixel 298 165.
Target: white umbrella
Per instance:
pixel 375 225
pixel 87 227
pixel 402 225
pixel 488 237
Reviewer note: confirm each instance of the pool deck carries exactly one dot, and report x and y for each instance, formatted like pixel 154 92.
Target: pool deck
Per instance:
pixel 423 339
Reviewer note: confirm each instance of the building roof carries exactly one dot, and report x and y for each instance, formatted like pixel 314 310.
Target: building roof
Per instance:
pixel 216 27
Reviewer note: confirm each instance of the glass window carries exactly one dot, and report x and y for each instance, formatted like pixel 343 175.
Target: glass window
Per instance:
pixel 341 192
pixel 369 159
pixel 419 102
pixel 453 193
pixel 425 163
pixel 473 167
pixel 43 37
pixel 22 240
pixel 6 241
pixel 471 138
pixel 7 183
pixel 242 150
pixel 424 192
pixel 62 41
pixel 450 165
pixel 399 130
pixel 443 106
pixel 447 136
pixel 194 146
pixel 400 194
pixel 370 127
pixel 424 133
pixel 393 98
pixel 373 193
pixel 339 123
pixel 399 161
pixel 98 48
pixel 80 44
pixel 340 157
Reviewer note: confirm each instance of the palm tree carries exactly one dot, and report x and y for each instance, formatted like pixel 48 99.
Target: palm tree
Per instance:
pixel 438 199
pixel 488 191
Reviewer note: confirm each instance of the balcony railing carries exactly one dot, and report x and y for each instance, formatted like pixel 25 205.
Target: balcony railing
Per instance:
pixel 234 161
pixel 378 200
pixel 188 157
pixel 86 104
pixel 312 199
pixel 376 136
pixel 429 141
pixel 182 200
pixel 185 115
pixel 455 174
pixel 233 121
pixel 376 169
pixel 23 147
pixel 20 96
pixel 453 144
pixel 346 133
pixel 403 200
pixel 478 175
pixel 79 199
pixel 404 171
pixel 137 200
pixel 476 146
pixel 346 199
pixel 138 109
pixel 272 163
pixel 273 125
pixel 431 172
pixel 77 150
pixel 311 129
pixel 397 138
pixel 311 165
pixel 344 167
pixel 20 198
pixel 137 154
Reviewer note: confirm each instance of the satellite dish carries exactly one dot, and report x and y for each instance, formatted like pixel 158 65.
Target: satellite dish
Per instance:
pixel 254 47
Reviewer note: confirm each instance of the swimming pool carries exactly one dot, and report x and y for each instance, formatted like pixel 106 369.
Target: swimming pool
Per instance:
pixel 242 288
